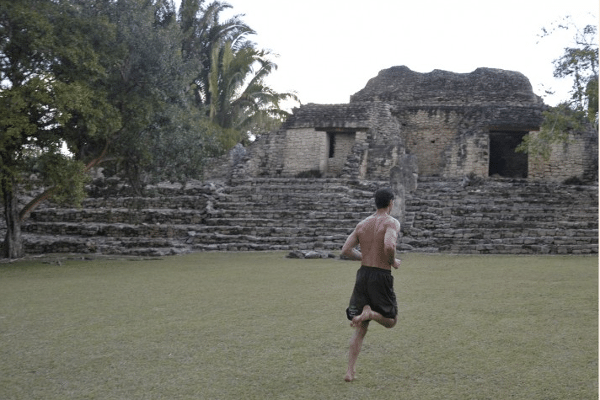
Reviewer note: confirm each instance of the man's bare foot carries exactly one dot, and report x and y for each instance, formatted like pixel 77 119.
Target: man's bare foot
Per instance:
pixel 350 375
pixel 366 315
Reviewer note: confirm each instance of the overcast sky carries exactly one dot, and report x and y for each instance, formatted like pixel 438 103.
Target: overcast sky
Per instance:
pixel 329 49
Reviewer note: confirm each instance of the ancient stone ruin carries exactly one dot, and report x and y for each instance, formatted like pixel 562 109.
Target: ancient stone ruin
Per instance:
pixel 443 141
pixel 451 125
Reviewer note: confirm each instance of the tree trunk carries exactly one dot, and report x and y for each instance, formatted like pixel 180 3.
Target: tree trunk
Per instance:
pixel 13 242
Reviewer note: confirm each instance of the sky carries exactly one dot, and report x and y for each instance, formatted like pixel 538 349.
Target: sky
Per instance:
pixel 329 49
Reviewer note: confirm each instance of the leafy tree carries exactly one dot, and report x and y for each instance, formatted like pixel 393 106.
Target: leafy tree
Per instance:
pixel 100 77
pixel 147 82
pixel 122 81
pixel 48 69
pixel 182 152
pixel 580 112
pixel 165 136
pixel 203 34
pixel 238 93
pixel 230 84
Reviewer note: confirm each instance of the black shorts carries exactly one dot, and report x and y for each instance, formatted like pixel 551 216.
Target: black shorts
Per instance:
pixel 373 287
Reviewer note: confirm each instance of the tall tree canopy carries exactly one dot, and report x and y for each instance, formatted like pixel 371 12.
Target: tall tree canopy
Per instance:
pixel 133 82
pixel 147 85
pixel 52 60
pixel 579 63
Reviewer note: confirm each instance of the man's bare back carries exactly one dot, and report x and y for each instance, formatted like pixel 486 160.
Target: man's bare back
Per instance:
pixel 377 236
pixel 373 235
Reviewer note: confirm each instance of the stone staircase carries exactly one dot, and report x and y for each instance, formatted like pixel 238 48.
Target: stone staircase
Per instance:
pixel 501 217
pixel 258 214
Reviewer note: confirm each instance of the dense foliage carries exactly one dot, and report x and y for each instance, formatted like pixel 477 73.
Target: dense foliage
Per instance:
pixel 146 91
pixel 579 63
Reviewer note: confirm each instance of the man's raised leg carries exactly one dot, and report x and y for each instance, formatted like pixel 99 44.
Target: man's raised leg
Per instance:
pixel 369 315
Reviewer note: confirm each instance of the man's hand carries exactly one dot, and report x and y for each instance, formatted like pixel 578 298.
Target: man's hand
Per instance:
pixel 396 263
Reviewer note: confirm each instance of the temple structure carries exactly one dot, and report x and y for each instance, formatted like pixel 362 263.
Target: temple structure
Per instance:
pixel 438 124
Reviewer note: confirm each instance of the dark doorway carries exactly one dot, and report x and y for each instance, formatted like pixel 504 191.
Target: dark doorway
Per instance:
pixel 331 137
pixel 504 160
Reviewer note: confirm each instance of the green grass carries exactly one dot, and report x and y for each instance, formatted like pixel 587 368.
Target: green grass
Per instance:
pixel 260 326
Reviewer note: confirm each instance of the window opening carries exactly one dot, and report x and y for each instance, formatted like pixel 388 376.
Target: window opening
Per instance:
pixel 331 137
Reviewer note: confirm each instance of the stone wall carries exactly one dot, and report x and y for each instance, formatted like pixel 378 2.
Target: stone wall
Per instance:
pixel 371 154
pixel 453 124
pixel 577 157
pixel 434 136
pixel 263 158
pixel 385 144
pixel 444 119
pixel 429 134
pixel 305 150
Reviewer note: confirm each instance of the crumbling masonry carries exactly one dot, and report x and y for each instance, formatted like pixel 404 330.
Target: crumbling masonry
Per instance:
pixel 449 125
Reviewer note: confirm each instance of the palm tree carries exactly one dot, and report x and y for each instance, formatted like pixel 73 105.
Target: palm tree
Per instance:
pixel 230 84
pixel 203 33
pixel 237 92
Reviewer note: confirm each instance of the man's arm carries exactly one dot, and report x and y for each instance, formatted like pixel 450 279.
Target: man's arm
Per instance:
pixel 349 249
pixel 389 243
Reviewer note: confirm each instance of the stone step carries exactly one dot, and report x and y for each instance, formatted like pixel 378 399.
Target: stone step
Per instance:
pixel 182 217
pixel 188 216
pixel 514 197
pixel 557 212
pixel 495 225
pixel 327 222
pixel 160 231
pixel 484 197
pixel 291 214
pixel 309 183
pixel 509 249
pixel 501 233
pixel 277 189
pixel 268 199
pixel 38 244
pixel 140 203
pixel 488 220
pixel 206 239
pixel 265 247
pixel 527 245
pixel 118 215
pixel 343 206
pixel 156 247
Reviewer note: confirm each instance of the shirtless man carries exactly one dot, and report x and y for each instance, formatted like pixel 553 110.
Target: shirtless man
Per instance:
pixel 373 297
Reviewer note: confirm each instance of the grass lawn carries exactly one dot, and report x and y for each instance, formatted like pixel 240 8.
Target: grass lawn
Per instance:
pixel 260 326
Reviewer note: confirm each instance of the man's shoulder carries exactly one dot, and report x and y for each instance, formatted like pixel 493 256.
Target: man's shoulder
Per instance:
pixel 365 221
pixel 393 221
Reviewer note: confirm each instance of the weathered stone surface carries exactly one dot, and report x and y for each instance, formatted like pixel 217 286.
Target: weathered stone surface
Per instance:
pixel 305 215
pixel 482 86
pixel 451 124
pixel 310 254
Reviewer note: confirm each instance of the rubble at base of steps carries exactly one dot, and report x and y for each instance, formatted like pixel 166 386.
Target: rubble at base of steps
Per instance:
pixel 310 254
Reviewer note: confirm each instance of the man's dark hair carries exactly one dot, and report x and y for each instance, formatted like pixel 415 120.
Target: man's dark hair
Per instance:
pixel 383 197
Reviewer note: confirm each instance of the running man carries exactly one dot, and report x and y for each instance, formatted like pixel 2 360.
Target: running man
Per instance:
pixel 373 297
